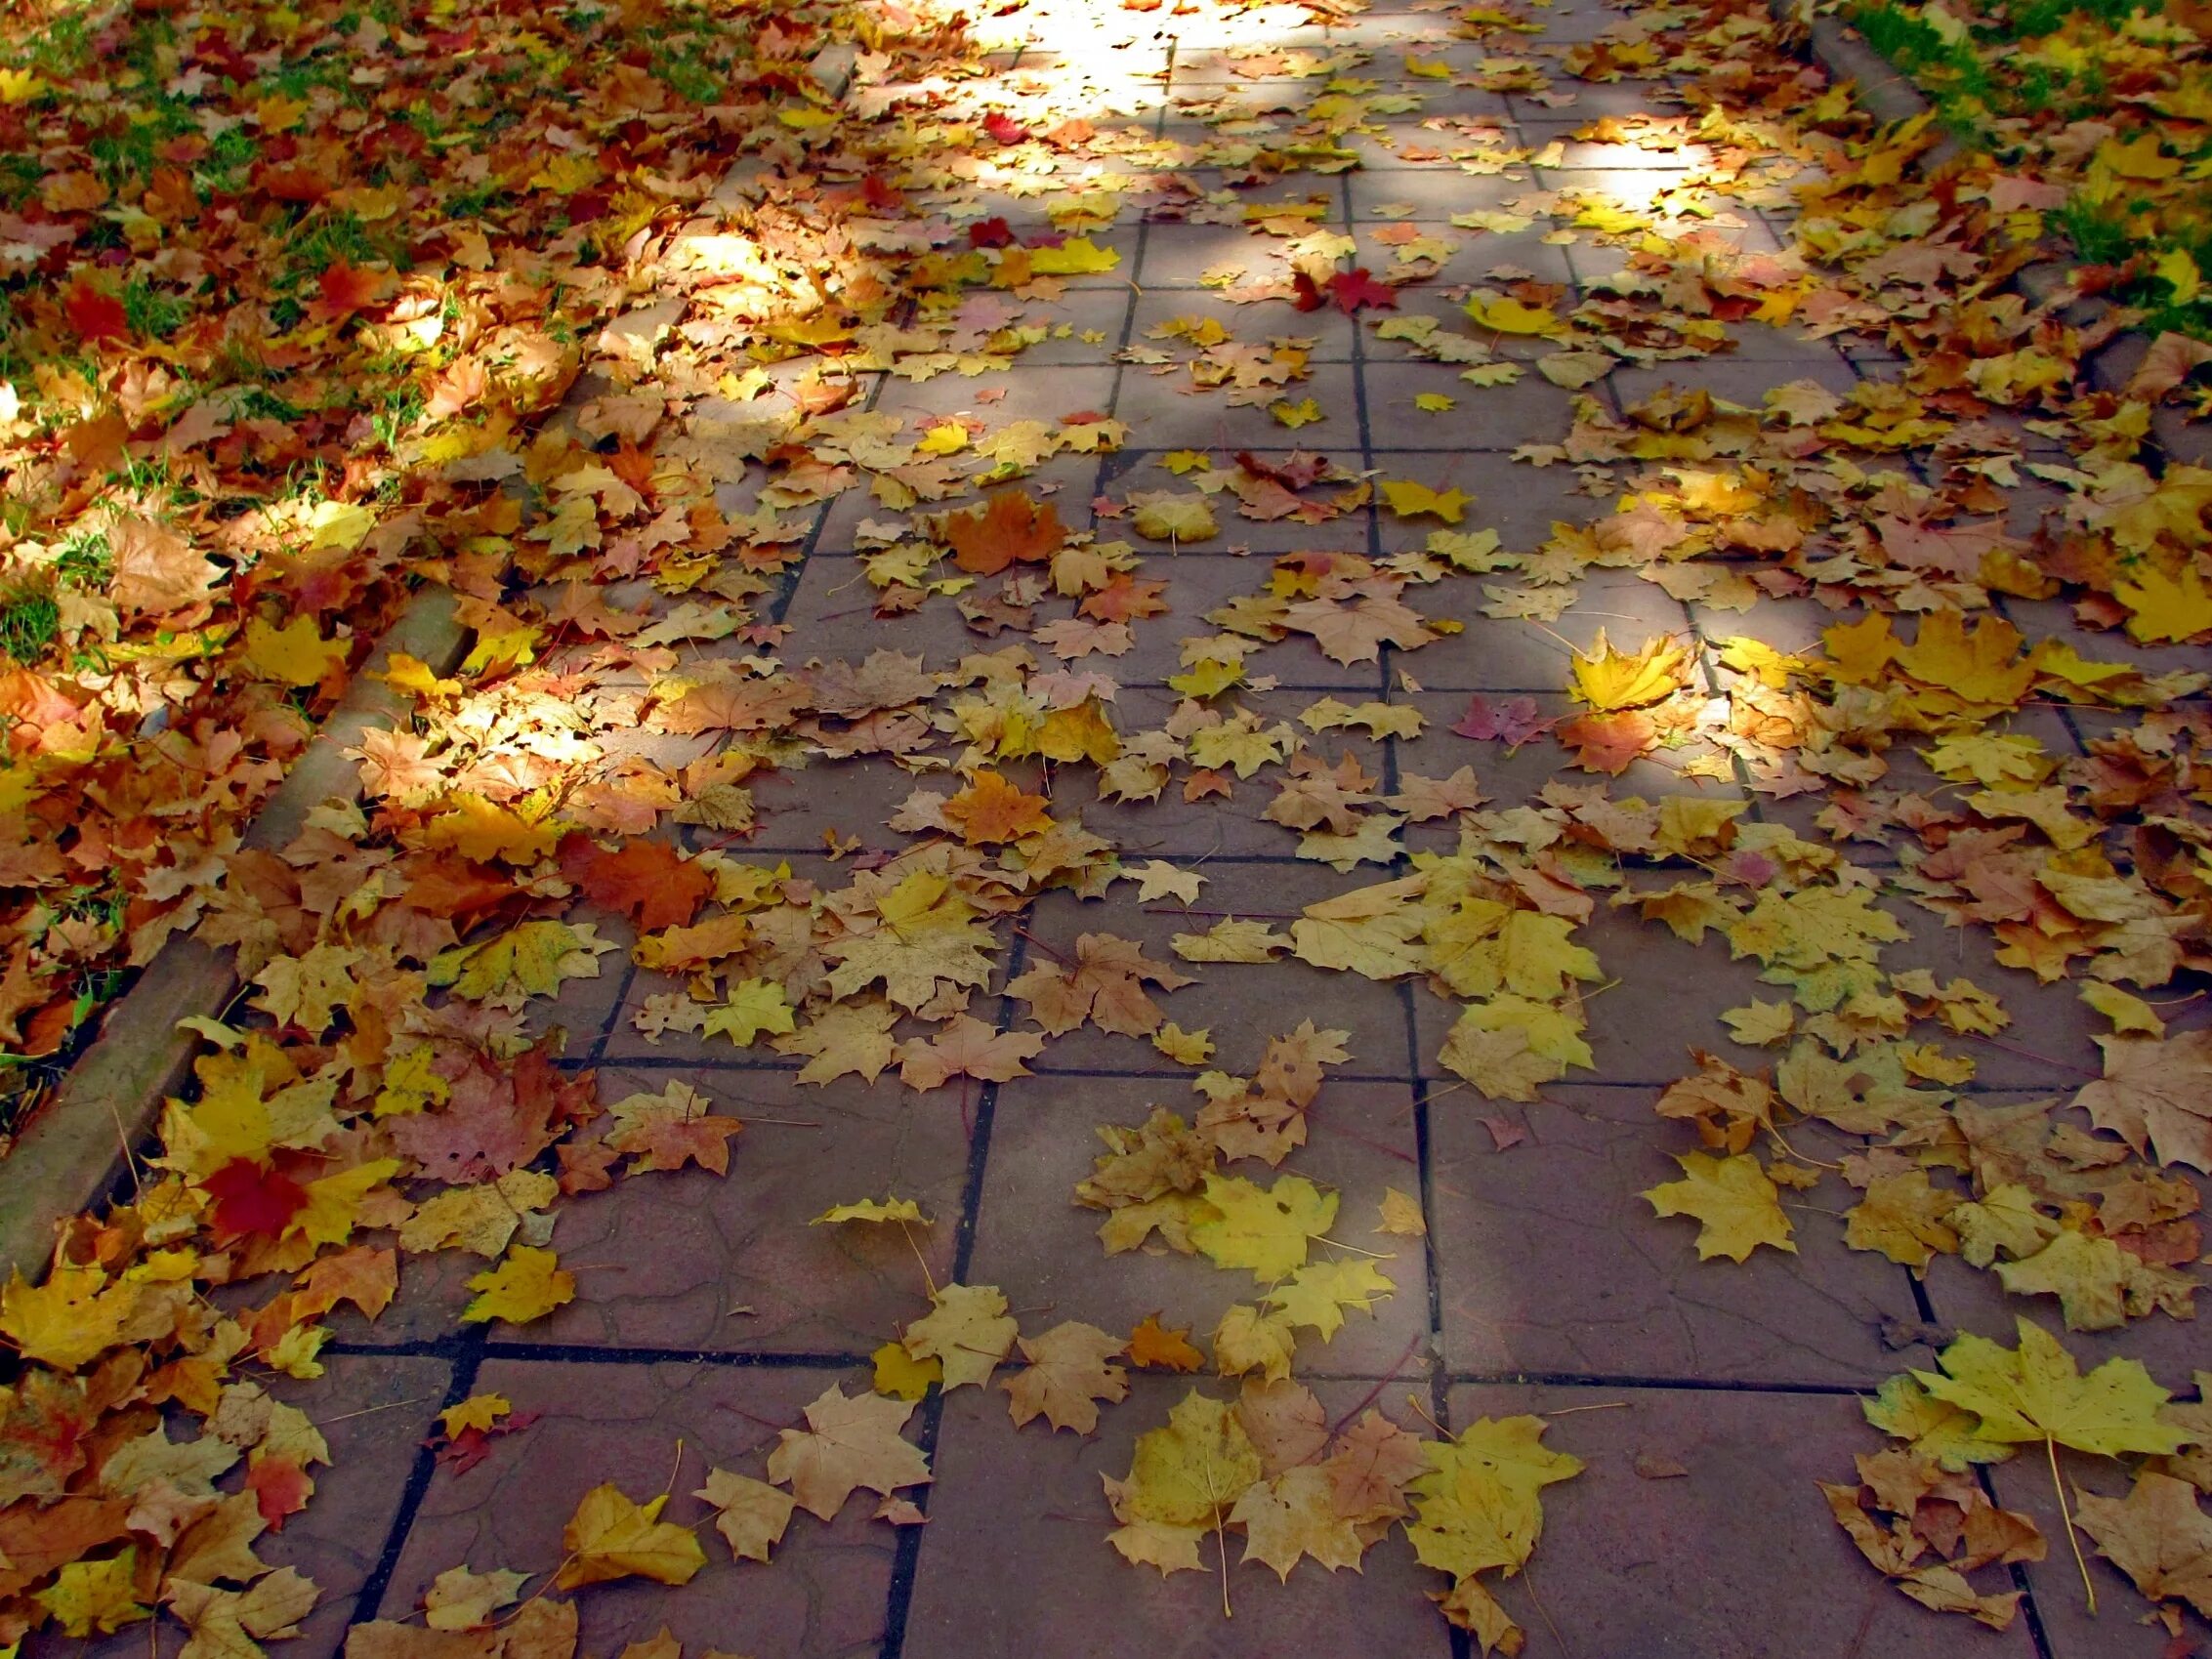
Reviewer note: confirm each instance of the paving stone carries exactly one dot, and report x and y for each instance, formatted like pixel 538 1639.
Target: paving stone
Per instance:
pixel 1178 256
pixel 1171 412
pixel 1228 997
pixel 1549 1262
pixel 1628 1565
pixel 1482 418
pixel 1522 502
pixel 1001 397
pixel 1744 382
pixel 1434 193
pixel 1042 1249
pixel 2123 1627
pixel 651 1428
pixel 734 1264
pixel 1015 1561
pixel 374 1414
pixel 1510 655
pixel 1660 997
pixel 1472 255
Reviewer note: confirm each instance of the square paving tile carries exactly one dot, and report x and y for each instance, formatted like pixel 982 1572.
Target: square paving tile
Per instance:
pixel 1494 417
pixel 1660 997
pixel 1040 1246
pixel 1472 255
pixel 1515 655
pixel 649 1429
pixel 1015 1561
pixel 733 1264
pixel 1434 193
pixel 2123 1627
pixel 1549 1261
pixel 1170 412
pixel 1519 501
pixel 374 1414
pixel 999 398
pixel 1628 1565
pixel 1227 997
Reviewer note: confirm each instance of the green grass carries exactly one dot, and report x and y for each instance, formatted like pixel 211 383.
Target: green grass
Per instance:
pixel 85 560
pixel 29 624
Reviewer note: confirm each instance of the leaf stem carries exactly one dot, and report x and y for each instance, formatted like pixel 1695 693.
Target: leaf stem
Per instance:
pixel 2089 1589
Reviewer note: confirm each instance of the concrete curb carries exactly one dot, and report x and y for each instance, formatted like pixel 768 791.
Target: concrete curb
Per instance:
pixel 1884 92
pixel 76 1151
pixel 70 1156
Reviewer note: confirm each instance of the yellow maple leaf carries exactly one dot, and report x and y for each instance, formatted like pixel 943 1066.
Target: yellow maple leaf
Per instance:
pixel 2162 608
pixel 1479 1506
pixel 1317 1294
pixel 2139 157
pixel 2037 1392
pixel 1078 256
pixel 1504 315
pixel 1610 679
pixel 86 1596
pixel 1738 1208
pixel 1434 402
pixel 534 959
pixel 528 1285
pixel 1191 1472
pixel 295 654
pixel 610 1537
pixel 1408 500
pixel 899 1375
pixel 884 1209
pixel 1165 517
pixel 967 1331
pixel 1262 1229
pixel 479 1411
pixel 75 1315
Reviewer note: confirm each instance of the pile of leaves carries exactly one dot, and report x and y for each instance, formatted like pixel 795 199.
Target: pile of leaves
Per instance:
pixel 597 347
pixel 2105 104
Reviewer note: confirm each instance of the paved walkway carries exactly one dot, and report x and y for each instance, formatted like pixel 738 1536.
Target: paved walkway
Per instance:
pixel 1705 1399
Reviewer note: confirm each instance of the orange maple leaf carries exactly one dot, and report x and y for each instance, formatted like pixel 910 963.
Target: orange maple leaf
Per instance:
pixel 1007 529
pixel 991 810
pixel 649 881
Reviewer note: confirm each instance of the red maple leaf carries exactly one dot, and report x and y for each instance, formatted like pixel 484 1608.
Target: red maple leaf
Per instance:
pixel 94 315
pixel 882 195
pixel 648 881
pixel 1008 528
pixel 1004 126
pixel 1352 290
pixel 992 232
pixel 280 1488
pixel 251 1198
pixel 1512 724
pixel 465 1450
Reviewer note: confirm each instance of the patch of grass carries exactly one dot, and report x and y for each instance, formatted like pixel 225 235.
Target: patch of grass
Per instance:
pixel 325 238
pixel 29 624
pixel 153 313
pixel 85 560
